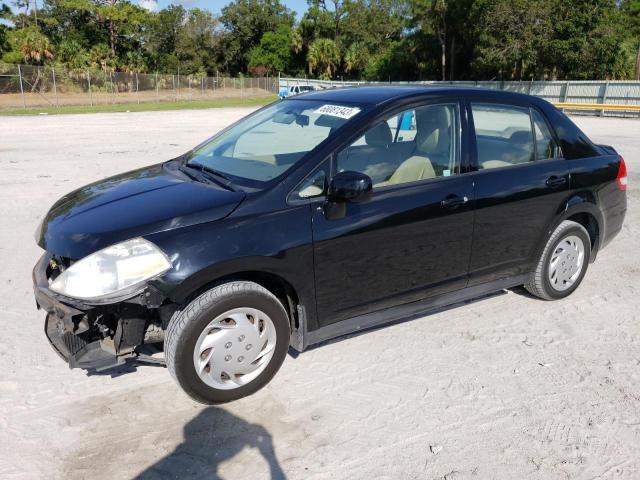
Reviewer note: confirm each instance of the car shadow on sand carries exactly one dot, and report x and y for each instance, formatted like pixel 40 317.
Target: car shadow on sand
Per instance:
pixel 212 437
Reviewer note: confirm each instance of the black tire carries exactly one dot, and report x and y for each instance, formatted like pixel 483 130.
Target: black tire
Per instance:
pixel 539 284
pixel 187 324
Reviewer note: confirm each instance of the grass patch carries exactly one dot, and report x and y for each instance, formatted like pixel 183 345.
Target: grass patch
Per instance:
pixel 143 107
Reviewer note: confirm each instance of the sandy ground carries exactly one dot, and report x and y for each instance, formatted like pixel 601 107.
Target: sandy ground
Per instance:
pixel 506 387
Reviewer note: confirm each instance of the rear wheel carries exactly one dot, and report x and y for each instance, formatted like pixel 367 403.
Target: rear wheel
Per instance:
pixel 228 342
pixel 563 262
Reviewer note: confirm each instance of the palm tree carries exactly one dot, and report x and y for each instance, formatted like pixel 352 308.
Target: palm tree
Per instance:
pixel 34 45
pixel 323 57
pixel 356 58
pixel 297 43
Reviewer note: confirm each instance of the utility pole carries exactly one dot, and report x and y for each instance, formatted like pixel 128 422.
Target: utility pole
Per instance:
pixel 638 63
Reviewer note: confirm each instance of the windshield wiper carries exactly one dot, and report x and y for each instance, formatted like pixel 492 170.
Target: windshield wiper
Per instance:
pixel 188 173
pixel 211 174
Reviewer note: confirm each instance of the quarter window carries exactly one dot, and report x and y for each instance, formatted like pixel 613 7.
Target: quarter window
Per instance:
pixel 410 146
pixel 314 186
pixel 546 146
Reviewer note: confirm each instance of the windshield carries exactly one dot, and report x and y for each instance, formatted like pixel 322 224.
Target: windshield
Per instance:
pixel 268 143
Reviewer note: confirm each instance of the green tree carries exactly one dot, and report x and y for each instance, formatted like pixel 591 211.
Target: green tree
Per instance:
pixel 197 43
pixel 30 45
pixel 5 13
pixel 121 18
pixel 584 45
pixel 356 59
pixel 374 39
pixel 71 53
pixel 431 16
pixel 274 52
pixel 323 58
pixel 101 57
pixel 512 37
pixel 162 37
pixel 630 10
pixel 92 24
pixel 374 23
pixel 245 22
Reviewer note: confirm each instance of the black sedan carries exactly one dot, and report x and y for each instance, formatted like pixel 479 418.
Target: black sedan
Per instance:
pixel 318 216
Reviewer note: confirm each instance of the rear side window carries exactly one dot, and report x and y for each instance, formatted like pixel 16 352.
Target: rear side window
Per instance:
pixel 503 135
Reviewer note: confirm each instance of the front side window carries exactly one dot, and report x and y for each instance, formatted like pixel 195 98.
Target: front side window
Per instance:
pixel 265 145
pixel 417 144
pixel 403 126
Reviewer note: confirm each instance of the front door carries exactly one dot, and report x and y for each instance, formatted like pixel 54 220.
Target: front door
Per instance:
pixel 412 239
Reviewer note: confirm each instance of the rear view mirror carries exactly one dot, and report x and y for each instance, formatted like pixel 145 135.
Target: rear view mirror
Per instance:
pixel 329 121
pixel 302 120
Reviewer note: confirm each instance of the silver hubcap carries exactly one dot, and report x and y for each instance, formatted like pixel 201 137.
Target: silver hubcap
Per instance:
pixel 234 348
pixel 566 263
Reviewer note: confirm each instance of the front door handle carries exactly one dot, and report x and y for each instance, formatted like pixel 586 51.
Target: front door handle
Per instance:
pixel 555 182
pixel 453 201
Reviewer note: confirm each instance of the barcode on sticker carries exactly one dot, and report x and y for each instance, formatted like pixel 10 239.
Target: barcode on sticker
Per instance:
pixel 338 111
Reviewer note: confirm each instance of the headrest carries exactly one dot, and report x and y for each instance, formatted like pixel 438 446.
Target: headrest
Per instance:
pixel 430 118
pixel 379 136
pixel 521 136
pixel 433 124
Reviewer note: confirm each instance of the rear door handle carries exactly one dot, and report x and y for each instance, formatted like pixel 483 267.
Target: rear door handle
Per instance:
pixel 555 182
pixel 453 201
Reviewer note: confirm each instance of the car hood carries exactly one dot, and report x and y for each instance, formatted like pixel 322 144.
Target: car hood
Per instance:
pixel 136 203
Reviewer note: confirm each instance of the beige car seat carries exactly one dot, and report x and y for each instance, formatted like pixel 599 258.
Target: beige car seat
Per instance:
pixel 432 138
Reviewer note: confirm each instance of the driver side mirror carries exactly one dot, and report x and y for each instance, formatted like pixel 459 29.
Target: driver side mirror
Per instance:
pixel 350 186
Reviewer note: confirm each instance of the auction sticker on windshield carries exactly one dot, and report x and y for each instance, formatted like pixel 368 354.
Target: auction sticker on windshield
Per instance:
pixel 338 111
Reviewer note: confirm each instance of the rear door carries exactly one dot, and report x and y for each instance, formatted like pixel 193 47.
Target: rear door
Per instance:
pixel 520 186
pixel 412 239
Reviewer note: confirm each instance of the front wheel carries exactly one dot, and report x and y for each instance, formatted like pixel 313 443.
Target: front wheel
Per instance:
pixel 228 342
pixel 563 263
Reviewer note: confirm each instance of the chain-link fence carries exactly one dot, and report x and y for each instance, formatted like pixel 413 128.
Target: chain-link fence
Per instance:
pixel 27 86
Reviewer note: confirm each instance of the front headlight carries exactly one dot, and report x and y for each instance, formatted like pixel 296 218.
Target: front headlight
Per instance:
pixel 113 272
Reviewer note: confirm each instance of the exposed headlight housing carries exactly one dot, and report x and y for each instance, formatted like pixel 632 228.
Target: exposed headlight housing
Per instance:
pixel 114 272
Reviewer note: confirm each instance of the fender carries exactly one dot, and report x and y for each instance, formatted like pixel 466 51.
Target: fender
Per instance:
pixel 246 267
pixel 576 202
pixel 276 244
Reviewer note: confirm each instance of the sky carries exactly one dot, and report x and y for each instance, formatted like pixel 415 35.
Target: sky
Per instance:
pixel 299 6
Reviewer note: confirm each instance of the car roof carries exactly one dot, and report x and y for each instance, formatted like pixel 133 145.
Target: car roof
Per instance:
pixel 375 95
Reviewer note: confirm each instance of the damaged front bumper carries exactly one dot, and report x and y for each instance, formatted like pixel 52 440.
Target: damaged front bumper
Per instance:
pixel 98 337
